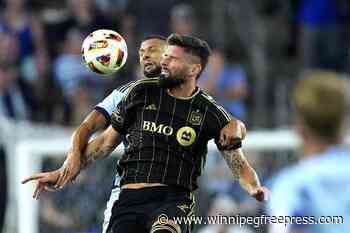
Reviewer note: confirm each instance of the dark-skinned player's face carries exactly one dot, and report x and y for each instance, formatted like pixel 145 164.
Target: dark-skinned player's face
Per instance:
pixel 150 54
pixel 175 67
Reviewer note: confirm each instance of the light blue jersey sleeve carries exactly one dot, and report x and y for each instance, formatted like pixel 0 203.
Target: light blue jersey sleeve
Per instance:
pixel 110 103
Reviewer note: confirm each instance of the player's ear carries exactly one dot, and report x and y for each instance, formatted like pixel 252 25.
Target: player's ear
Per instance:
pixel 195 69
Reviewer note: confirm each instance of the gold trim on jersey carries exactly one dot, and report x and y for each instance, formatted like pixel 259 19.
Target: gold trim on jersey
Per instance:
pixel 163 227
pixel 142 81
pixel 184 98
pixel 219 107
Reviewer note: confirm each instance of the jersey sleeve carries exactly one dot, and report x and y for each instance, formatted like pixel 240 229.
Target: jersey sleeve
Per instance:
pixel 123 114
pixel 222 118
pixel 119 117
pixel 110 103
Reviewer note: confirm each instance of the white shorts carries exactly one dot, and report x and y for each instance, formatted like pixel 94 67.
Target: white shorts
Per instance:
pixel 113 197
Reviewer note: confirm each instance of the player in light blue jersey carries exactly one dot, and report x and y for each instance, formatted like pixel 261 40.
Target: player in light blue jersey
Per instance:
pixel 315 193
pixel 149 56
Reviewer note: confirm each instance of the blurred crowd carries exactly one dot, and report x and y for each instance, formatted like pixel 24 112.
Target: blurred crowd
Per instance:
pixel 260 48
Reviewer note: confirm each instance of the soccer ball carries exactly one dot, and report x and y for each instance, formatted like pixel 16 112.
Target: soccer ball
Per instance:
pixel 104 51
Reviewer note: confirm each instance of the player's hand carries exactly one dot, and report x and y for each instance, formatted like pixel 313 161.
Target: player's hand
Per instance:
pixel 69 171
pixel 261 194
pixel 232 133
pixel 45 181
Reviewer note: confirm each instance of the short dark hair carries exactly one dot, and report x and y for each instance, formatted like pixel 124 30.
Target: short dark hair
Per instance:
pixel 192 45
pixel 150 37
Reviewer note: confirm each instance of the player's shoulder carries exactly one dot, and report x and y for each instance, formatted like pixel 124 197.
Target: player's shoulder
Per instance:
pixel 213 106
pixel 207 99
pixel 140 85
pixel 125 87
pixel 143 83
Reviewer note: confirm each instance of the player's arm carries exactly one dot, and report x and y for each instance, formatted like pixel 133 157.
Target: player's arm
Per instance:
pixel 232 133
pixel 98 148
pixel 247 176
pixel 97 120
pixel 56 179
pixel 101 146
pixel 94 122
pixel 72 166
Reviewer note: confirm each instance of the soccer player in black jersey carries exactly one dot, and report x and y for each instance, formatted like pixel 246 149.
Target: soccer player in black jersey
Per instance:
pixel 168 122
pixel 149 57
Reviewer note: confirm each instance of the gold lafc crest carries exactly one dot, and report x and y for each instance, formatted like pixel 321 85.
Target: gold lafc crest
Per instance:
pixel 196 117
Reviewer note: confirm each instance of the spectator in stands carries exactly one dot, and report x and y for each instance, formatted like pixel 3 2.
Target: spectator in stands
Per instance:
pixel 80 14
pixel 144 14
pixel 226 82
pixel 18 19
pixel 85 16
pixel 16 98
pixel 9 48
pixel 320 28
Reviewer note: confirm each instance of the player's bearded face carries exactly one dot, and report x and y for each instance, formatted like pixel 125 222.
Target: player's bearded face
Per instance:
pixel 150 54
pixel 151 69
pixel 172 78
pixel 174 69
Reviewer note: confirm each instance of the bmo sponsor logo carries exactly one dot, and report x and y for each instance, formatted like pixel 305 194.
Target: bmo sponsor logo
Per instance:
pixel 185 136
pixel 151 126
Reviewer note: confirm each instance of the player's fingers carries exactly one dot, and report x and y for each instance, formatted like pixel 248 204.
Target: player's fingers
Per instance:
pixel 50 189
pixel 49 179
pixel 37 190
pixel 61 176
pixel 69 178
pixel 63 180
pixel 261 194
pixel 33 177
pixel 40 190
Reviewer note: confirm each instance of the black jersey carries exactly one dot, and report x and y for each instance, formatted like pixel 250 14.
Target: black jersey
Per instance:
pixel 167 136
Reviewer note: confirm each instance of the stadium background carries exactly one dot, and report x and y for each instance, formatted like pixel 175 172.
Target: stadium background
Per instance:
pixel 261 49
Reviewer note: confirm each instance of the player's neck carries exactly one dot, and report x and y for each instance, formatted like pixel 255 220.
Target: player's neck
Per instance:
pixel 316 146
pixel 185 90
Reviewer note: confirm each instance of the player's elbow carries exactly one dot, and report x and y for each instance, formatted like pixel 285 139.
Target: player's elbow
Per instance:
pixel 93 123
pixel 239 127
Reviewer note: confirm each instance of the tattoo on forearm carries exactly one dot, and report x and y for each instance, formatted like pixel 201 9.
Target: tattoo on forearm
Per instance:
pixel 235 160
pixel 95 154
